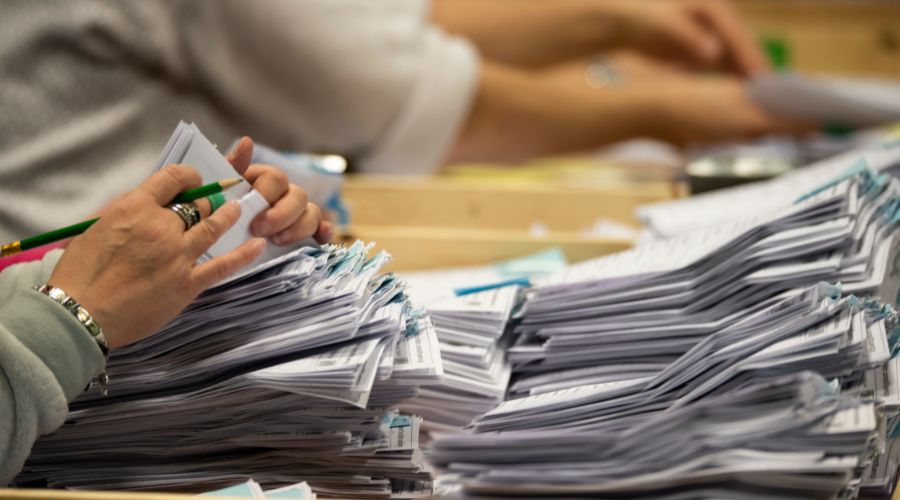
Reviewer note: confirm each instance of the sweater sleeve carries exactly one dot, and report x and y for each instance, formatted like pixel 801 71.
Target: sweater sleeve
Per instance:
pixel 46 358
pixel 373 80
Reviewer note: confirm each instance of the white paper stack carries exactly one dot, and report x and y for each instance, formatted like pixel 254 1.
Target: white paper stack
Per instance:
pixel 471 332
pixel 630 314
pixel 789 437
pixel 693 367
pixel 289 372
pixel 672 218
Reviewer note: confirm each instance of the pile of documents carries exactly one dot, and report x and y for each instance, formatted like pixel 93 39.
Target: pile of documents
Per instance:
pixel 710 364
pixel 290 371
pixel 470 330
pixel 671 218
pixel 631 314
pixel 287 374
pixel 788 437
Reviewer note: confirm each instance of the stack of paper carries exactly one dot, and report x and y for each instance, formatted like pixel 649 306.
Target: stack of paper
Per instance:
pixel 671 218
pixel 789 437
pixel 259 378
pixel 683 369
pixel 630 314
pixel 288 372
pixel 471 332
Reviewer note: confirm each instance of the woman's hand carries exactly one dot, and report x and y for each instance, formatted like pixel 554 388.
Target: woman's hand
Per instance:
pixel 134 270
pixel 712 109
pixel 704 34
pixel 292 218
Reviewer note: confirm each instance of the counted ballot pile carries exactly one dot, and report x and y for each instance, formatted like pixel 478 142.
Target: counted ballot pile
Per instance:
pixel 289 372
pixel 471 333
pixel 710 365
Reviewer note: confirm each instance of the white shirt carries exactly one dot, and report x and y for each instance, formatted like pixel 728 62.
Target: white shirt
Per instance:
pixel 92 90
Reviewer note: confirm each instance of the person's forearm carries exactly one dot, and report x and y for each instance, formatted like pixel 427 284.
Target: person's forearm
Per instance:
pixel 531 33
pixel 516 116
pixel 46 357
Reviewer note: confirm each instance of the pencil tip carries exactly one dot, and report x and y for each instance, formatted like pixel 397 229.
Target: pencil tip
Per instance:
pixel 228 183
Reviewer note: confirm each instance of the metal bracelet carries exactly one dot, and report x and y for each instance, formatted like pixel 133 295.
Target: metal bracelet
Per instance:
pixel 59 296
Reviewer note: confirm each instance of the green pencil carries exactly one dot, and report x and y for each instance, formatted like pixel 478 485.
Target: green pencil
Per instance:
pixel 76 229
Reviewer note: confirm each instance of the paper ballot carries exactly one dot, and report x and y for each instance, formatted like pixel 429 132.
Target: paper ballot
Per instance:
pixel 855 102
pixel 188 146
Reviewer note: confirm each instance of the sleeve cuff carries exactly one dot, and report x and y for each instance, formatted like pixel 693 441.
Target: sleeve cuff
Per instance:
pixel 55 336
pixel 434 113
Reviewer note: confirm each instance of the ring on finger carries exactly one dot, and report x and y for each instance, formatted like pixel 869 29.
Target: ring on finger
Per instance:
pixel 188 212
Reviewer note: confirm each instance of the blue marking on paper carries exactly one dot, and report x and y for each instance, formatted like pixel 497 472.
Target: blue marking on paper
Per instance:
pixel 401 421
pixel 546 262
pixel 857 168
pixel 293 493
pixel 243 490
pixel 519 271
pixel 491 286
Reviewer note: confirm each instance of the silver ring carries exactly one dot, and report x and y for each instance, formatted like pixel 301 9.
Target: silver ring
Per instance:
pixel 188 212
pixel 600 74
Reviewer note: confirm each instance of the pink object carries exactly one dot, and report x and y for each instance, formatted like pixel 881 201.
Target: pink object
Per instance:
pixel 28 255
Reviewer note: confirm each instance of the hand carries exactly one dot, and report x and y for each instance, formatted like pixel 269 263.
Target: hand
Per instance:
pixel 292 218
pixel 712 109
pixel 700 33
pixel 134 270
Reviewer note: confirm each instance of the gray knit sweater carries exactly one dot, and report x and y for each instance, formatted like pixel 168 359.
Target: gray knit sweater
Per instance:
pixel 92 89
pixel 46 358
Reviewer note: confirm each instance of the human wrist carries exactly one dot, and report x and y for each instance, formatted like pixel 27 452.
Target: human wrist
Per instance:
pixel 652 113
pixel 622 113
pixel 99 309
pixel 55 336
pixel 80 313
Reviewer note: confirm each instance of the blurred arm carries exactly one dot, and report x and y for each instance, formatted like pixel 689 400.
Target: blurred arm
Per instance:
pixel 531 33
pixel 516 116
pixel 702 34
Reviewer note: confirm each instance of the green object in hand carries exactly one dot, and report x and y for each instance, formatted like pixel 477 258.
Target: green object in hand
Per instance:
pixel 76 229
pixel 776 48
pixel 215 201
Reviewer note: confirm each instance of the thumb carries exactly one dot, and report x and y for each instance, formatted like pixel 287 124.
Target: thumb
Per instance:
pixel 241 155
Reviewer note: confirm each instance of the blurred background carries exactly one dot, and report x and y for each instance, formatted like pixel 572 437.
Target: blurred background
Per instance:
pixel 450 132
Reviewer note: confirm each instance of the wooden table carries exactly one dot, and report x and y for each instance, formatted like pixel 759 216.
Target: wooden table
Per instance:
pixel 849 37
pixel 448 222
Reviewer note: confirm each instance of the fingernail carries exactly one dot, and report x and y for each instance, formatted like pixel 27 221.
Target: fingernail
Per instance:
pixel 259 244
pixel 326 233
pixel 233 205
